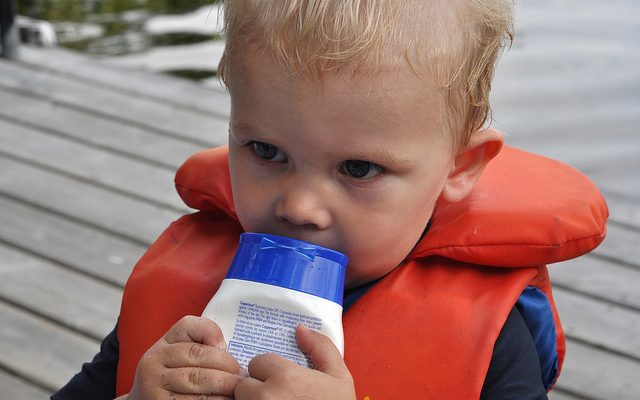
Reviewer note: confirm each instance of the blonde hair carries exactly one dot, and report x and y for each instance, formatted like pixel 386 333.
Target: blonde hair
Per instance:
pixel 452 43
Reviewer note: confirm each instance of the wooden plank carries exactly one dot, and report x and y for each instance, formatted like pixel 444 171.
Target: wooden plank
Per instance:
pixel 621 178
pixel 138 111
pixel 600 279
pixel 15 388
pixel 616 116
pixel 622 245
pixel 535 91
pixel 106 133
pixel 597 374
pixel 63 241
pixel 624 210
pixel 40 351
pixel 88 163
pixel 177 91
pixel 617 157
pixel 600 324
pixel 118 214
pixel 78 302
pixel 510 86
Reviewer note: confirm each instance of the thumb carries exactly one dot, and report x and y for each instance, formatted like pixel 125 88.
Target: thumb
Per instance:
pixel 322 352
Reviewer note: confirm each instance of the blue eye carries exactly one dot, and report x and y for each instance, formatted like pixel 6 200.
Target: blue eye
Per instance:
pixel 268 152
pixel 360 169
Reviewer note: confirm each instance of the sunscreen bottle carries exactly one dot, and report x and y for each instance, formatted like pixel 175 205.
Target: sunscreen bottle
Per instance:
pixel 273 285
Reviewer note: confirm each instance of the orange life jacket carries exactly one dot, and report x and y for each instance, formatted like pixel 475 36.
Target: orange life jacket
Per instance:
pixel 427 329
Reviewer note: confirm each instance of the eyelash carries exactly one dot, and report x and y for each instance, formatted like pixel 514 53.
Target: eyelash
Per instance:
pixel 372 167
pixel 254 149
pixel 251 145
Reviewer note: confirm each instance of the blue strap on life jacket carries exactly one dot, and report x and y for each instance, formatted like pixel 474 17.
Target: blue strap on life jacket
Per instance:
pixel 536 311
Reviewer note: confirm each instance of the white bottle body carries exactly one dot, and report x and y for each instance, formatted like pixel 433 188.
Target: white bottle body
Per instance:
pixel 257 318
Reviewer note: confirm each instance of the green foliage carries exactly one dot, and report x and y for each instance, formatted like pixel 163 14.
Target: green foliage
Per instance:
pixel 53 10
pixel 79 10
pixel 170 39
pixel 178 6
pixel 193 74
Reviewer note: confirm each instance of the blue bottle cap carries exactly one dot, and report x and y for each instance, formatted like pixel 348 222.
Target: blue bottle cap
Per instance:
pixel 290 263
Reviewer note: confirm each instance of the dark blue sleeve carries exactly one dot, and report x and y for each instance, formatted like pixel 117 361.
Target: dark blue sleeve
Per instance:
pixel 514 372
pixel 97 379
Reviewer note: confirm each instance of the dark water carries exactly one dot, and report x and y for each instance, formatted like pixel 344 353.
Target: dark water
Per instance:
pixel 115 27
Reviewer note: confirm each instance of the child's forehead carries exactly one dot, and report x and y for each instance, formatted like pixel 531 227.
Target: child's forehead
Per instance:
pixel 380 85
pixel 364 78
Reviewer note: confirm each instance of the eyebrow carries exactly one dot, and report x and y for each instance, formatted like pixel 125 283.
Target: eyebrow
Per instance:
pixel 382 156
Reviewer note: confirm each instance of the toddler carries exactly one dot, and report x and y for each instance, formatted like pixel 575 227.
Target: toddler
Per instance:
pixel 359 125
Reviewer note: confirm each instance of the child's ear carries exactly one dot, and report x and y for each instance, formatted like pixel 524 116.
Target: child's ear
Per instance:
pixel 470 163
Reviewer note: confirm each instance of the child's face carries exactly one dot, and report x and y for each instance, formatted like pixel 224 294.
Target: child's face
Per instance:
pixel 356 165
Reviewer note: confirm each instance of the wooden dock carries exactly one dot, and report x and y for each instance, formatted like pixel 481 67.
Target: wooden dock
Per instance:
pixel 87 157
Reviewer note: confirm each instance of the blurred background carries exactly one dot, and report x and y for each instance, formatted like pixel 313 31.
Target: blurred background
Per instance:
pixel 104 99
pixel 179 37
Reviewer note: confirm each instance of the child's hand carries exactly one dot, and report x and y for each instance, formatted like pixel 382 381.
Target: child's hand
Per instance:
pixel 189 360
pixel 273 377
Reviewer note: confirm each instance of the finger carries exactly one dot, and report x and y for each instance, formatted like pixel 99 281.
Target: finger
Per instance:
pixel 192 380
pixel 199 355
pixel 321 350
pixel 265 365
pixel 178 396
pixel 196 329
pixel 248 388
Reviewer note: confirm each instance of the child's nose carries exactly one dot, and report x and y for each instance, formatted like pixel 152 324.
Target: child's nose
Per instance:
pixel 303 204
